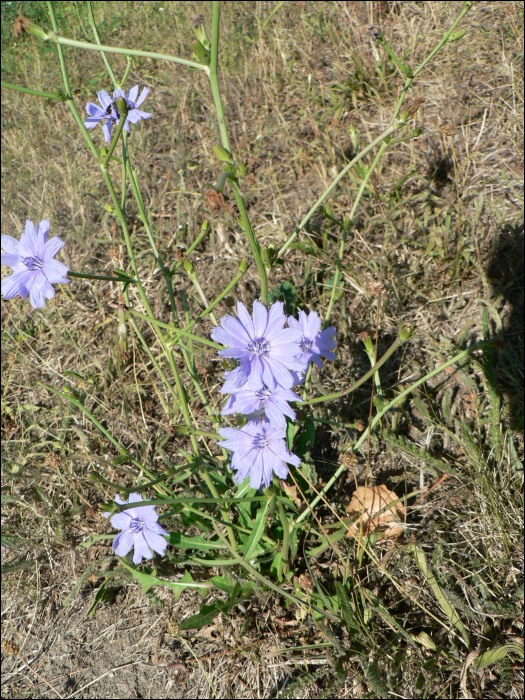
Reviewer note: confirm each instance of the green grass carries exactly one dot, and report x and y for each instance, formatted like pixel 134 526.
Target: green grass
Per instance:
pixel 439 614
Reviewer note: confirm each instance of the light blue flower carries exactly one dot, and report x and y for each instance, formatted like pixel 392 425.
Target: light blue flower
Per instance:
pixel 259 451
pixel 140 530
pixel 34 268
pixel 110 113
pixel 264 349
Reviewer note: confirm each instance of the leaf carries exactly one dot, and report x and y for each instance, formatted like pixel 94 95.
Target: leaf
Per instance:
pixel 447 608
pixel 147 581
pixel 177 539
pixel 257 532
pixel 224 583
pixel 498 653
pixel 346 608
pixel 205 616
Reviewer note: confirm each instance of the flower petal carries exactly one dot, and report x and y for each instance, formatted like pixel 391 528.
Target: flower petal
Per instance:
pixel 104 99
pixel 10 259
pixel 40 290
pixel 123 543
pixel 143 95
pixel 132 94
pixel 11 284
pixel 56 272
pixel 245 319
pixel 52 247
pixel 260 319
pixel 10 245
pixel 43 229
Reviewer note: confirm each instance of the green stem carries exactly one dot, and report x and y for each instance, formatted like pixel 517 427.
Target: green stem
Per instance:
pixel 286 535
pixel 345 232
pixel 120 278
pixel 214 83
pixel 335 182
pixel 241 271
pixel 123 109
pixel 38 93
pixel 64 41
pixel 252 240
pixel 180 331
pixel 97 39
pixel 213 74
pixel 377 418
pixel 362 380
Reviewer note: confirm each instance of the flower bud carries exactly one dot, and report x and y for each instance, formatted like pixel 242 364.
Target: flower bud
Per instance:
pixel 457 35
pixel 222 154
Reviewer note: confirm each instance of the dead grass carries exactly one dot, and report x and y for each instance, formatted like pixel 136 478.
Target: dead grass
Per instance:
pixel 440 227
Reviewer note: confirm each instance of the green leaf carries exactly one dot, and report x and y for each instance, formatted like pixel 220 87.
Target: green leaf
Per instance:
pixel 257 532
pixel 498 653
pixel 147 581
pixel 224 583
pixel 447 608
pixel 177 539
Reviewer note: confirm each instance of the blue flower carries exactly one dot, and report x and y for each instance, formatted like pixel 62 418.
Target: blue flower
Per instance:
pixel 34 267
pixel 110 113
pixel 272 402
pixel 264 349
pixel 140 530
pixel 314 343
pixel 259 451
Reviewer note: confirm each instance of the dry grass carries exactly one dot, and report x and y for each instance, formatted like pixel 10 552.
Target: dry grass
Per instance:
pixel 440 227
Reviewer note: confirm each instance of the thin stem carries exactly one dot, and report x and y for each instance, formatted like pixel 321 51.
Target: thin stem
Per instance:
pixel 88 276
pixel 38 93
pixel 214 83
pixel 180 331
pixel 345 232
pixel 64 41
pixel 335 182
pixel 364 378
pixel 97 39
pixel 457 358
pixel 213 74
pixel 242 269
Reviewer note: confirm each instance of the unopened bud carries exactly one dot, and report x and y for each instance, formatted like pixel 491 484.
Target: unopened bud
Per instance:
pixel 457 35
pixel 222 153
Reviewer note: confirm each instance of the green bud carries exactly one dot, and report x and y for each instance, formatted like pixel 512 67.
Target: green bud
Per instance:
pixel 407 71
pixel 60 95
pixel 222 153
pixel 110 209
pixel 122 107
pixel 265 256
pixel 457 35
pixel 122 329
pixel 405 332
pixel 243 266
pixel 242 170
pixel 201 52
pixel 353 136
pixel 37 31
pixel 188 266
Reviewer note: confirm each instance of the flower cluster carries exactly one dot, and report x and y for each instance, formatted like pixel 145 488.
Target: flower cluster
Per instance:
pixel 272 359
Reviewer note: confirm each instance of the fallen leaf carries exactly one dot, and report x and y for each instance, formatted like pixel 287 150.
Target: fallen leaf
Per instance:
pixel 369 501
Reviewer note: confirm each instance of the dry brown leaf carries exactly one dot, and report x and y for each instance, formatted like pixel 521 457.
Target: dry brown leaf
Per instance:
pixel 370 501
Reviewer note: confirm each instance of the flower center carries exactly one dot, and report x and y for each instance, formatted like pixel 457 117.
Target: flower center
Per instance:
pixel 136 525
pixel 263 393
pixel 259 347
pixel 33 263
pixel 306 344
pixel 260 442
